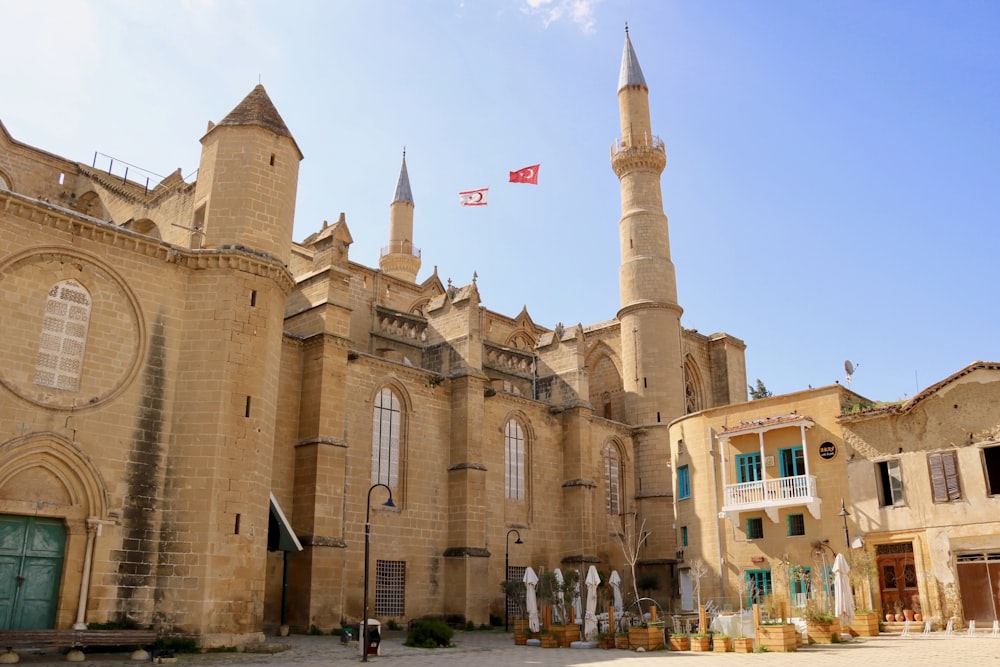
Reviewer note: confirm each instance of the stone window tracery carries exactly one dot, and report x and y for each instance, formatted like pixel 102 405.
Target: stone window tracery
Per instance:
pixel 63 339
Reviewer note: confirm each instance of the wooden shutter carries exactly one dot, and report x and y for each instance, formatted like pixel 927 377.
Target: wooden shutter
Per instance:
pixel 944 477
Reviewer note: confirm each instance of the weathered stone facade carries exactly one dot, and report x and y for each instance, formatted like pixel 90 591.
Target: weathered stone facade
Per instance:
pixel 171 358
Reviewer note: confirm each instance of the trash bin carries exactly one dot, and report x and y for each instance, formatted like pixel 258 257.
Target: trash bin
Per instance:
pixel 374 637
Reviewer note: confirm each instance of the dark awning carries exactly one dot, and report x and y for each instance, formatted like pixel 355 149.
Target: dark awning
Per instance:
pixel 280 536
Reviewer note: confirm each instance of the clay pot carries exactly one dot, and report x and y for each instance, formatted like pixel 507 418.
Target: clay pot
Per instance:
pixel 918 617
pixel 889 618
pixel 908 614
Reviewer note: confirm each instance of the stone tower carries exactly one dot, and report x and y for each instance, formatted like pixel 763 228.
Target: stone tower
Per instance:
pixel 400 259
pixel 247 180
pixel 228 359
pixel 652 365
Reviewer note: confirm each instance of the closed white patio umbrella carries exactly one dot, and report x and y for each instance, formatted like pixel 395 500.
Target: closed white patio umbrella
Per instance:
pixel 590 620
pixel 616 586
pixel 843 597
pixel 530 601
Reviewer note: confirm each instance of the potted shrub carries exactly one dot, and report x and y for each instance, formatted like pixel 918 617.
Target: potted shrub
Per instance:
pixel 606 640
pixel 700 642
pixel 621 640
pixel 521 637
pixel 777 636
pixel 743 644
pixel 823 628
pixel 722 643
pixel 865 623
pixel 550 640
pixel 680 642
pixel 649 636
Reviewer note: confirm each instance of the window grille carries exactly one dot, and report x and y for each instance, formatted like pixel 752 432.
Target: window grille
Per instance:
pixel 390 588
pixel 63 339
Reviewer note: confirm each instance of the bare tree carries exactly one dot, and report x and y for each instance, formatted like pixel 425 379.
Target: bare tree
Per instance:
pixel 631 542
pixel 698 570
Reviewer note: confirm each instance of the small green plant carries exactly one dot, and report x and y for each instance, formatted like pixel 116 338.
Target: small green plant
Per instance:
pixel 313 630
pixel 429 633
pixel 392 624
pixel 177 644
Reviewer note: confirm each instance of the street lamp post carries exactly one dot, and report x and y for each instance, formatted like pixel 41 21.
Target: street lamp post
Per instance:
pixel 368 530
pixel 844 513
pixel 506 570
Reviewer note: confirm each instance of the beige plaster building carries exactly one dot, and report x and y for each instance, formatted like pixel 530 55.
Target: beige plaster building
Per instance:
pixel 758 489
pixel 194 408
pixel 768 492
pixel 924 477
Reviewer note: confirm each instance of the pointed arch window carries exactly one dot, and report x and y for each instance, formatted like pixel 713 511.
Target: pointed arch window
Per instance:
pixel 63 340
pixel 386 425
pixel 514 460
pixel 612 480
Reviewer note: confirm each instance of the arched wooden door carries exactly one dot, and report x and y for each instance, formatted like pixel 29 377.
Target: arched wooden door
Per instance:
pixel 31 560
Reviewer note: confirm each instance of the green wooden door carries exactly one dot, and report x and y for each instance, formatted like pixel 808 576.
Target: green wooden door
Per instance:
pixel 31 559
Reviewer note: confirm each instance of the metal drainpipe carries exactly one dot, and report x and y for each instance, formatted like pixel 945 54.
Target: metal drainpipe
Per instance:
pixel 718 521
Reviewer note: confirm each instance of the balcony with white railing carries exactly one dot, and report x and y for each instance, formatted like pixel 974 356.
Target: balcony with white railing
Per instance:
pixel 770 495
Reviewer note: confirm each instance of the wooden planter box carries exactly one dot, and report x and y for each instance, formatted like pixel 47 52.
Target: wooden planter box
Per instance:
pixel 648 638
pixel 743 644
pixel 777 637
pixel 865 625
pixel 607 641
pixel 700 643
pixel 722 644
pixel 680 643
pixel 823 632
pixel 520 638
pixel 621 641
pixel 567 633
pixel 550 641
pixel 520 625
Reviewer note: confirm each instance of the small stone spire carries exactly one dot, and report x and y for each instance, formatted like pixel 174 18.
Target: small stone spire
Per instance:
pixel 631 74
pixel 403 192
pixel 400 259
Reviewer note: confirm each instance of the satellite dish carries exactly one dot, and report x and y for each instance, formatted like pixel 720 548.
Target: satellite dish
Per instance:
pixel 849 368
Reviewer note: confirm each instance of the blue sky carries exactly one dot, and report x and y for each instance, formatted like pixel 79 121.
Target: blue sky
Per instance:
pixel 833 176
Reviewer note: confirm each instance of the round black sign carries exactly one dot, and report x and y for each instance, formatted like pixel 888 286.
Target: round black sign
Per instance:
pixel 827 450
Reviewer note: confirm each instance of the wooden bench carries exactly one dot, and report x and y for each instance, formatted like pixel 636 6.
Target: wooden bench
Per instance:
pixel 75 640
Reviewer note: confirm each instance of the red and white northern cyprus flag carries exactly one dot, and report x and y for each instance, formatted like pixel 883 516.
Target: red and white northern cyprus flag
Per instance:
pixel 473 197
pixel 526 175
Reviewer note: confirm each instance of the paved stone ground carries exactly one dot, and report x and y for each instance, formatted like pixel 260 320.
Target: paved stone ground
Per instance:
pixel 496 649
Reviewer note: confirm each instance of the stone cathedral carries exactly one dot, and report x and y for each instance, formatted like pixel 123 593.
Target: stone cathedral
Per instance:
pixel 199 415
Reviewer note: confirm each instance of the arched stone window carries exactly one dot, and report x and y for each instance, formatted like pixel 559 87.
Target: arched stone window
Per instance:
pixel 612 479
pixel 514 460
pixel 63 339
pixel 386 438
pixel 693 387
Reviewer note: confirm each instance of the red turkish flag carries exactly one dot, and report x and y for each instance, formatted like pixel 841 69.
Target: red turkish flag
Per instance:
pixel 526 175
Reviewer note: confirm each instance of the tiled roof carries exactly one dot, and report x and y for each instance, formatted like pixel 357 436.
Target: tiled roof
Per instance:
pixel 767 423
pixel 257 109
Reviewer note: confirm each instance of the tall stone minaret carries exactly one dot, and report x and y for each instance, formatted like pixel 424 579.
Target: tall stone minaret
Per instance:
pixel 650 317
pixel 400 259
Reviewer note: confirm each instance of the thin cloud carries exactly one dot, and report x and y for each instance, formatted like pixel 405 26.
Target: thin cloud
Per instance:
pixel 580 12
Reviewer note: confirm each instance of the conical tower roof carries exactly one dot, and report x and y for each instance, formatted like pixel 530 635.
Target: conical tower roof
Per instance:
pixel 403 192
pixel 631 74
pixel 257 109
